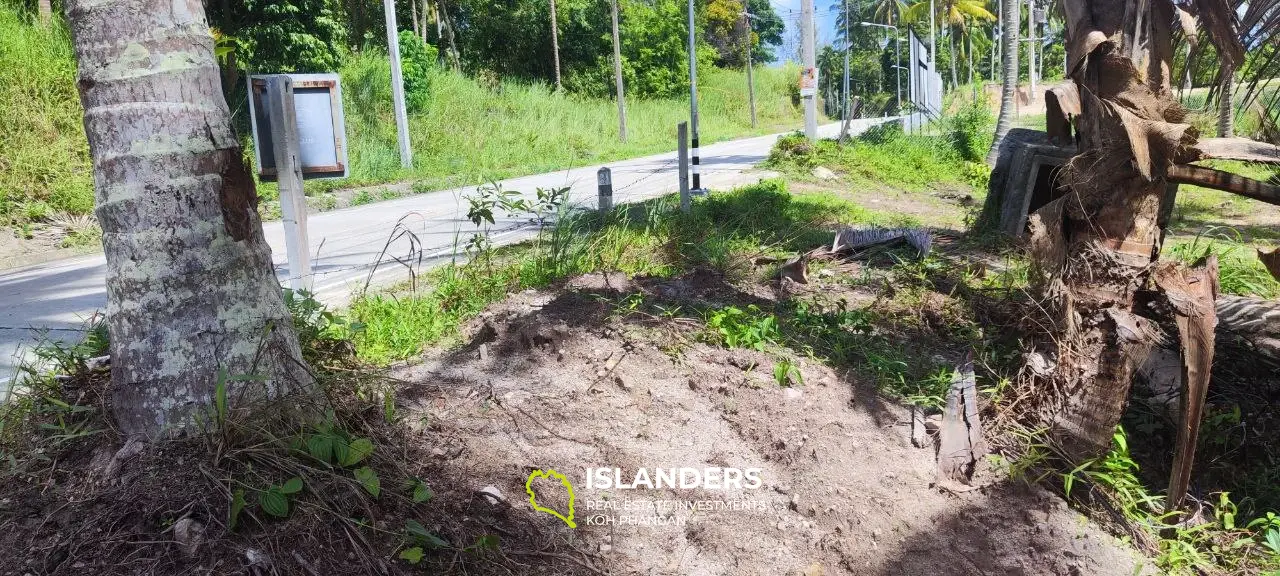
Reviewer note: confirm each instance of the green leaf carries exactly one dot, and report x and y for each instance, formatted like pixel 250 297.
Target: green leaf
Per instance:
pixel 411 555
pixel 369 479
pixel 220 397
pixel 321 447
pixel 358 450
pixel 274 502
pixel 1273 540
pixel 292 486
pixel 418 532
pixel 421 492
pixel 237 505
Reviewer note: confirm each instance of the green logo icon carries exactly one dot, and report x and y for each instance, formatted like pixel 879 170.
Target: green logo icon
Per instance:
pixel 533 498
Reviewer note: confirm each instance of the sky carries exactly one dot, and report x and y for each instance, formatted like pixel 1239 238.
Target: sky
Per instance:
pixel 789 10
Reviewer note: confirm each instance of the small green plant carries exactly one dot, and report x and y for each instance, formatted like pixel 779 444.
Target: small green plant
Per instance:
pixel 275 499
pixel 323 335
pixel 785 372
pixel 739 328
pixel 363 197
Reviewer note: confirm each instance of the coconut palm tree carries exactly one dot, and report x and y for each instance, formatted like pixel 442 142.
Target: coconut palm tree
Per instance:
pixel 954 15
pixel 191 293
pixel 1099 244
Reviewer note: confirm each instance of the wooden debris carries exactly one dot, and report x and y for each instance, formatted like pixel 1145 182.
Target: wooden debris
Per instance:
pixel 960 439
pixel 1192 293
pixel 1225 181
pixel 1272 261
pixel 919 431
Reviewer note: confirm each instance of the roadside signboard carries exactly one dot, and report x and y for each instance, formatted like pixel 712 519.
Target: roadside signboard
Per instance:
pixel 322 136
pixel 809 82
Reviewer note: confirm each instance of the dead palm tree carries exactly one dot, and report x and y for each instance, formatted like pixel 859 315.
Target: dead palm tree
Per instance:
pixel 1099 244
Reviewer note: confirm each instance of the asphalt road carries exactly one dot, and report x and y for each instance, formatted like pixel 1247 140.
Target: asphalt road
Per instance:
pixel 347 245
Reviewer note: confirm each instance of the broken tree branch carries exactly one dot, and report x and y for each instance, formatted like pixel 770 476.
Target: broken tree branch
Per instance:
pixel 1232 149
pixel 1225 181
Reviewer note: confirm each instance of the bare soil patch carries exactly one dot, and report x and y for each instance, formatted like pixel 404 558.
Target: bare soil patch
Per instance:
pixel 566 381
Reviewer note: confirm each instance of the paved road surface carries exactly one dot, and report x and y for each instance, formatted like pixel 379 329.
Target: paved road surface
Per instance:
pixel 346 244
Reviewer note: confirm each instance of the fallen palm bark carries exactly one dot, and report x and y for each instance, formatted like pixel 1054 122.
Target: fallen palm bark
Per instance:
pixel 1191 294
pixel 851 243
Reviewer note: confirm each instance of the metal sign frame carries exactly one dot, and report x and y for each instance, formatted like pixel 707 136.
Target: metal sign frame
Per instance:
pixel 310 132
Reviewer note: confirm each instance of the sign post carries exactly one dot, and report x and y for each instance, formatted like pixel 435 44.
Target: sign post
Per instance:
pixel 682 157
pixel 605 200
pixel 298 133
pixel 293 201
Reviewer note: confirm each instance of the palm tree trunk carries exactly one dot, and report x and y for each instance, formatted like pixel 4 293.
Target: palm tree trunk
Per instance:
pixel 191 292
pixel 969 39
pixel 1009 71
pixel 555 42
pixel 951 44
pixel 1100 242
pixel 1226 99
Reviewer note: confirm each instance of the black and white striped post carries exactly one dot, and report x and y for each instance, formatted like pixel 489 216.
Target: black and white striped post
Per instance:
pixel 605 199
pixel 694 162
pixel 693 106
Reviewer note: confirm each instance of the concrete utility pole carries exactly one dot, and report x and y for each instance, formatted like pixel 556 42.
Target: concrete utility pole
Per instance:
pixel 751 84
pixel 693 102
pixel 845 86
pixel 810 63
pixel 1031 48
pixel 555 40
pixel 397 84
pixel 617 77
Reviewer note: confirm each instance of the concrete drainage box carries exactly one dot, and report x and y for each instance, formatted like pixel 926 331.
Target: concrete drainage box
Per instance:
pixel 1032 182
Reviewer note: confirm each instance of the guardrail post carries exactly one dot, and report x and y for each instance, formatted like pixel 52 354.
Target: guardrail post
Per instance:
pixel 605 179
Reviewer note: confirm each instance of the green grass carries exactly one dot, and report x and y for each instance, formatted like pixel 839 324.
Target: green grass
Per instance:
pixel 1225 542
pixel 885 156
pixel 1239 271
pixel 468 132
pixel 44 158
pixel 724 231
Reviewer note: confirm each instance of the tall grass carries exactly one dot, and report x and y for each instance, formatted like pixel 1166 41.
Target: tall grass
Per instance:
pixel 44 158
pixel 884 157
pixel 472 132
pixel 1239 271
pixel 468 132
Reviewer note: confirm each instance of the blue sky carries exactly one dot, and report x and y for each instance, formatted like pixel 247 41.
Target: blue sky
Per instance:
pixel 789 10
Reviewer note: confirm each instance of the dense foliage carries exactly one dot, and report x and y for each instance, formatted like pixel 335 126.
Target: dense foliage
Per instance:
pixel 270 36
pixel 504 39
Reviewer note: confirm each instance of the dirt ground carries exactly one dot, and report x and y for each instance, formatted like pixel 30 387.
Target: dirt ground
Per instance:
pixel 564 381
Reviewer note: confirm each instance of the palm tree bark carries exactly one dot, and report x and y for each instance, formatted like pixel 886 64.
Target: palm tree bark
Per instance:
pixel 1009 71
pixel 191 292
pixel 951 45
pixel 45 9
pixel 1226 99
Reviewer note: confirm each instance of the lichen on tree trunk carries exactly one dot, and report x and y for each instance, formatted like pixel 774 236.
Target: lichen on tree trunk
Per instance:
pixel 191 291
